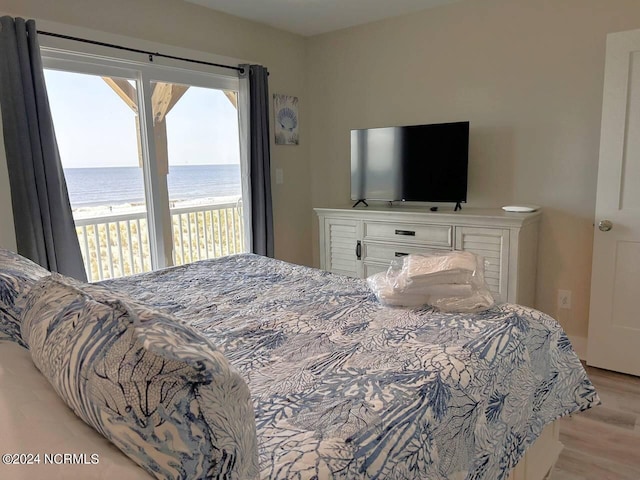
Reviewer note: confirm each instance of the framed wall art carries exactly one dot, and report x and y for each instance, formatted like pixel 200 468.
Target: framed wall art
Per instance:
pixel 286 119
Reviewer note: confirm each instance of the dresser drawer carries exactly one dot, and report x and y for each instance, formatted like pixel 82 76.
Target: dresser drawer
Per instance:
pixel 380 252
pixel 373 268
pixel 434 235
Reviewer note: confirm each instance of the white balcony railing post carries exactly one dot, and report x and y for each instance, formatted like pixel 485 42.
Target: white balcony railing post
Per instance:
pixel 101 262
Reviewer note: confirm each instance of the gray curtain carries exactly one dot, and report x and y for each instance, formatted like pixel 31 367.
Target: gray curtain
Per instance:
pixel 260 160
pixel 45 231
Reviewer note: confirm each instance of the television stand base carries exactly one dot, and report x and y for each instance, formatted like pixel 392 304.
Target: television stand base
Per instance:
pixel 458 207
pixel 362 200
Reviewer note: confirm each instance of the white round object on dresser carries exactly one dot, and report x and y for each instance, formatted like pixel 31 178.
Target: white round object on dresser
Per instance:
pixel 520 208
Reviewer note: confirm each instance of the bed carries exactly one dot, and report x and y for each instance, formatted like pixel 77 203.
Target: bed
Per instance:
pixel 343 387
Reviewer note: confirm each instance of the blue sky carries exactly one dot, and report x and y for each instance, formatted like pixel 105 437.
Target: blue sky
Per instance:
pixel 95 128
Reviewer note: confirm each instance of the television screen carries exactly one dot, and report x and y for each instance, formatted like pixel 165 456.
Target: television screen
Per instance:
pixel 424 163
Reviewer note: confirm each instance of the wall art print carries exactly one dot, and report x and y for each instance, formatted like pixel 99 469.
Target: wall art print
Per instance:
pixel 286 119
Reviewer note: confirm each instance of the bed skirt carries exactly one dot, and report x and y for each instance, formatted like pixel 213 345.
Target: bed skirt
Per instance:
pixel 540 458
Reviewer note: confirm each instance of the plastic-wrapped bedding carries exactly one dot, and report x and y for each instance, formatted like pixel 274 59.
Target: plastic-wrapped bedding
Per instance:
pixel 450 281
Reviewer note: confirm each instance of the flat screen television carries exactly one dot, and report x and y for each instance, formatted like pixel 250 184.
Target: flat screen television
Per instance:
pixel 418 163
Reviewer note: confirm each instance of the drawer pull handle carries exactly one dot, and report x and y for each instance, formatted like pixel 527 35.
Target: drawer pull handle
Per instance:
pixel 358 250
pixel 401 254
pixel 408 233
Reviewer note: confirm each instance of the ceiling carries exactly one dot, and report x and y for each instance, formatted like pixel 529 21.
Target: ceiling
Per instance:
pixel 312 17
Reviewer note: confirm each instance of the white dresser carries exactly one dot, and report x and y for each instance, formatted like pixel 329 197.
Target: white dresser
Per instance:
pixel 362 241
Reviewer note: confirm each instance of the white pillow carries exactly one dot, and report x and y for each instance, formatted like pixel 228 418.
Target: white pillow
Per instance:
pixel 35 421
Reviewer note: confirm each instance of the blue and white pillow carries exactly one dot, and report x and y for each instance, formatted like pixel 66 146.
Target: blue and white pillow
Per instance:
pixel 17 275
pixel 157 389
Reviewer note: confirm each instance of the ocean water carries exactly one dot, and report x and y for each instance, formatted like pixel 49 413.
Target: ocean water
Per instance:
pixel 90 187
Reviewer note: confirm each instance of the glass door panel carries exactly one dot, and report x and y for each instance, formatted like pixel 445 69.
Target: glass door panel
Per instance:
pixel 197 145
pixel 98 133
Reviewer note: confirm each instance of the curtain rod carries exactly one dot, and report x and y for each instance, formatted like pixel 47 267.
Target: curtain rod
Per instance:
pixel 136 50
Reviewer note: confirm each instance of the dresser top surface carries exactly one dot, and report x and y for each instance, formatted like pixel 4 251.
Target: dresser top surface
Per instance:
pixel 442 215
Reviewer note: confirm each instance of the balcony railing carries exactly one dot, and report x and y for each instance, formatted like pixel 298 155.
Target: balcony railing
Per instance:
pixel 117 245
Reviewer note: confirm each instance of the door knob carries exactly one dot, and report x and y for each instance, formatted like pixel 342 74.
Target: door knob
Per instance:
pixel 605 225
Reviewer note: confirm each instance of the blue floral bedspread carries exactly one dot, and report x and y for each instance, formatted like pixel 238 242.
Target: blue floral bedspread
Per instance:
pixel 345 387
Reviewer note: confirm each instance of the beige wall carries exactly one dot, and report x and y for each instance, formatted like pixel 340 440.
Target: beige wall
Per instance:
pixel 181 24
pixel 528 74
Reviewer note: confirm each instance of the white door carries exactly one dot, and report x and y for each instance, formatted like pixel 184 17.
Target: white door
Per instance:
pixel 614 318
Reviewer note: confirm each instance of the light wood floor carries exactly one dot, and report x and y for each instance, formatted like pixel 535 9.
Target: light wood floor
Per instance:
pixel 603 443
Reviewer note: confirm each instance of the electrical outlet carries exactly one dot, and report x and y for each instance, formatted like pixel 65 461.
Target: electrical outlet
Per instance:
pixel 564 299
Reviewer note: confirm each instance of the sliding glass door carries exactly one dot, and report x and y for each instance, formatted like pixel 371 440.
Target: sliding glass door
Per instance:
pixel 152 161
